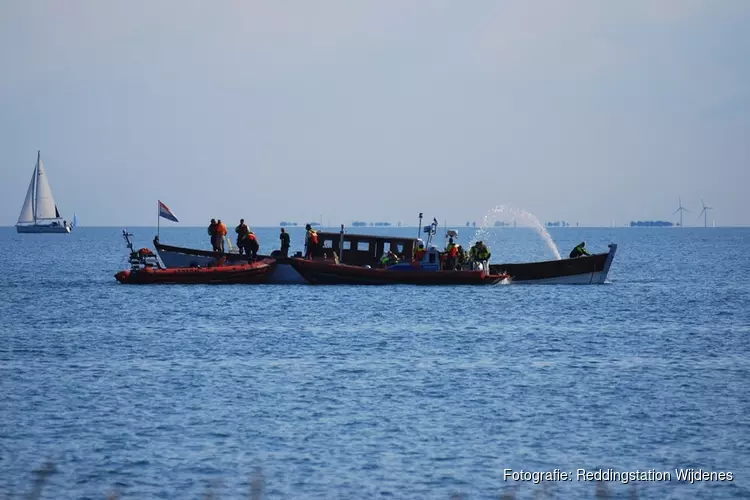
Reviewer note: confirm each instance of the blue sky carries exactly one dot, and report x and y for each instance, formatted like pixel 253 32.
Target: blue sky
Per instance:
pixel 583 110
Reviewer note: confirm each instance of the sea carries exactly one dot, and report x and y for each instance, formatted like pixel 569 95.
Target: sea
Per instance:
pixel 636 388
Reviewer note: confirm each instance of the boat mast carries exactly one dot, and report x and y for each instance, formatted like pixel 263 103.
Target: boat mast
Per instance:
pixel 36 184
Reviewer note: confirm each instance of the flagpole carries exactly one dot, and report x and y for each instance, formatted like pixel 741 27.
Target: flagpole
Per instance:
pixel 158 227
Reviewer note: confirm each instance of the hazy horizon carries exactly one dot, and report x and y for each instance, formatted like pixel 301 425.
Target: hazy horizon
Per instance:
pixel 585 111
pixel 350 228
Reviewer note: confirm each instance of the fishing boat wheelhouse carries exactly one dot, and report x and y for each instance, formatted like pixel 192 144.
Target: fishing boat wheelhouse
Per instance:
pixel 363 249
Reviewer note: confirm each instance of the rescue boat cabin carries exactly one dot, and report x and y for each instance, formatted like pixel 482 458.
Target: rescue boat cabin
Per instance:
pixel 364 249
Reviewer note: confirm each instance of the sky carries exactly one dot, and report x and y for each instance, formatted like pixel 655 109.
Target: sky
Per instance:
pixel 585 111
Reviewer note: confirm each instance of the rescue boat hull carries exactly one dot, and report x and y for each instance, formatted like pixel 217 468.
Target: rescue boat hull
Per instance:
pixel 248 274
pixel 328 273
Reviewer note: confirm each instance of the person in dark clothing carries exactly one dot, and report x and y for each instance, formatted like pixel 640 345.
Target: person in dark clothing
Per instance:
pixel 242 231
pixel 579 250
pixel 214 234
pixel 311 243
pixel 284 237
pixel 462 258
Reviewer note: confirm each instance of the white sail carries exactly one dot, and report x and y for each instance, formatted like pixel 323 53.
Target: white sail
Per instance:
pixel 27 210
pixel 45 203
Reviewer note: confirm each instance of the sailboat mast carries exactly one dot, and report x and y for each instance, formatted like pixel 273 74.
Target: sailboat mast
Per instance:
pixel 36 184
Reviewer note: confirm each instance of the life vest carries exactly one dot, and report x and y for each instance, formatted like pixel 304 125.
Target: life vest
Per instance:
pixel 452 250
pixel 483 253
pixel 388 259
pixel 221 229
pixel 242 230
pixel 251 236
pixel 419 254
pixel 313 237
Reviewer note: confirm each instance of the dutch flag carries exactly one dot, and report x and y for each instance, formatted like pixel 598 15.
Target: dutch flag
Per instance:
pixel 165 212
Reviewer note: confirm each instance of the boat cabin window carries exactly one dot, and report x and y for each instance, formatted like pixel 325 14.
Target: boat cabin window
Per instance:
pixel 364 249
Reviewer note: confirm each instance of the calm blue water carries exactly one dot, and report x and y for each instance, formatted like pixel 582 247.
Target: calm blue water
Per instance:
pixel 401 392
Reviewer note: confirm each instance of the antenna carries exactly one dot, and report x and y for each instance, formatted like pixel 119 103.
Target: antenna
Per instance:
pixel 681 209
pixel 704 213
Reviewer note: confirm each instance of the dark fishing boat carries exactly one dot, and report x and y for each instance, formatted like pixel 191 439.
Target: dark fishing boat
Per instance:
pixel 588 270
pixel 174 257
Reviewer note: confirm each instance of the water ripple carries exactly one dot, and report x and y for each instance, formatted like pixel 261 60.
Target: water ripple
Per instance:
pixel 347 392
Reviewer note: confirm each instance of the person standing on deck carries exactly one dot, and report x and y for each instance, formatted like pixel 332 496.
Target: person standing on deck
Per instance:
pixel 221 230
pixel 452 254
pixel 420 251
pixel 242 231
pixel 213 233
pixel 579 250
pixel 473 253
pixel 284 237
pixel 311 242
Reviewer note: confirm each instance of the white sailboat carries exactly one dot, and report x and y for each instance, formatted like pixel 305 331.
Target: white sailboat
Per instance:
pixel 39 213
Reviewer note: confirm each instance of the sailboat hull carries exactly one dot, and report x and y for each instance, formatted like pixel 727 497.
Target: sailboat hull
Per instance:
pixel 39 228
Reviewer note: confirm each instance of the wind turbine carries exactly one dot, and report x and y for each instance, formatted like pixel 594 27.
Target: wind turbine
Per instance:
pixel 704 213
pixel 681 209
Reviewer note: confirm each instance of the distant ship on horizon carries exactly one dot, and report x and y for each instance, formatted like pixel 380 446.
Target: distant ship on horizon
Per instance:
pixel 650 223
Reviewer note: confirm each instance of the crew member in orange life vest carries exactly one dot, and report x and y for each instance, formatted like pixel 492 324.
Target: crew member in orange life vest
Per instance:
pixel 251 245
pixel 452 254
pixel 221 231
pixel 311 242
